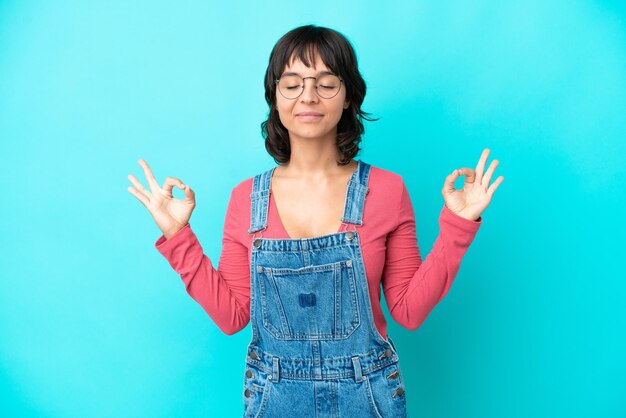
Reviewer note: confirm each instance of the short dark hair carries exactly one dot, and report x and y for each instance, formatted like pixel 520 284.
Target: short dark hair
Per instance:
pixel 338 55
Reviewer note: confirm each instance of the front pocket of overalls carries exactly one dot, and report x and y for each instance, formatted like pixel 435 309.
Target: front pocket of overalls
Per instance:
pixel 316 302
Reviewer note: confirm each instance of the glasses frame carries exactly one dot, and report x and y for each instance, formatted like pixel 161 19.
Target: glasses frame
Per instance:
pixel 276 81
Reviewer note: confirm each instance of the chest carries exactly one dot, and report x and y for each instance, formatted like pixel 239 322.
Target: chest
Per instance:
pixel 310 210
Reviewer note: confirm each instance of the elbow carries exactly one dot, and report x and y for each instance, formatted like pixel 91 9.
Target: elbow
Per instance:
pixel 411 323
pixel 411 326
pixel 231 329
pixel 234 326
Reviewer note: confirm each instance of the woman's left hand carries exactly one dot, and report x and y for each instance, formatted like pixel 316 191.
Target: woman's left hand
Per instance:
pixel 475 196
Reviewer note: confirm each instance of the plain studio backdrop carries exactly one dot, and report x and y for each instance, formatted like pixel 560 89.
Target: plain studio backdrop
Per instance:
pixel 95 323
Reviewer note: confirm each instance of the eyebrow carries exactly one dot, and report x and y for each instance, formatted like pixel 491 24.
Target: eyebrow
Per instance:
pixel 318 74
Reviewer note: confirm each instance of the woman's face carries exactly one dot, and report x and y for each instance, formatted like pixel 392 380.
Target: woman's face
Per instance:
pixel 329 109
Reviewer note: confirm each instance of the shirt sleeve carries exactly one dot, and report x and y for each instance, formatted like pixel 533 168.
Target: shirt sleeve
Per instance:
pixel 224 294
pixel 412 288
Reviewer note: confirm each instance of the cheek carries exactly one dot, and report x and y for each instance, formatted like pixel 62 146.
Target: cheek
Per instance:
pixel 283 105
pixel 285 109
pixel 284 114
pixel 338 109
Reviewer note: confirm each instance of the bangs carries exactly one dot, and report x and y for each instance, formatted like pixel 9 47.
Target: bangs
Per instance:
pixel 305 47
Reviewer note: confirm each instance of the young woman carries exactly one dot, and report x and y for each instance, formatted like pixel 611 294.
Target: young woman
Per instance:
pixel 308 243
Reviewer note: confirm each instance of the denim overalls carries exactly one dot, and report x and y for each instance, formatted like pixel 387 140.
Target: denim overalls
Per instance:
pixel 315 349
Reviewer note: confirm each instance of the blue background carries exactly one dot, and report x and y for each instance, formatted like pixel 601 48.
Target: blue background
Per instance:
pixel 94 322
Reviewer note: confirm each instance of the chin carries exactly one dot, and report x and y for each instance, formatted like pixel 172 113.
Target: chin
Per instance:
pixel 310 133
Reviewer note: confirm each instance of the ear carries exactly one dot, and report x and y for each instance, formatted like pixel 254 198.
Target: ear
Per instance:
pixel 346 104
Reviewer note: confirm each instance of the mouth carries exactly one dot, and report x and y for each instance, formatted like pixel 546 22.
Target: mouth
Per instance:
pixel 309 117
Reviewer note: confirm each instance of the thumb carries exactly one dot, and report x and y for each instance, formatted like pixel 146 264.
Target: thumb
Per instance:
pixel 448 186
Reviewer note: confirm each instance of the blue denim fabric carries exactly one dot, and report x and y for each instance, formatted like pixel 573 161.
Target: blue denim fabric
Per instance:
pixel 315 349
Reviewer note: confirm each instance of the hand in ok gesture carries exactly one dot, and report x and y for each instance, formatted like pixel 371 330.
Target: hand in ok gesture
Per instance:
pixel 475 196
pixel 170 214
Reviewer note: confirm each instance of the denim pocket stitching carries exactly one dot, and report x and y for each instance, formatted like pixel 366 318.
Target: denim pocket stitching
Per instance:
pixel 266 393
pixel 335 268
pixel 370 396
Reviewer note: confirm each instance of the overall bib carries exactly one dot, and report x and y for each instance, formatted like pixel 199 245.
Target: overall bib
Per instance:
pixel 315 349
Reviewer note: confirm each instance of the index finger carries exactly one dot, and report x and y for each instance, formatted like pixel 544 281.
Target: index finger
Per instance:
pixel 154 186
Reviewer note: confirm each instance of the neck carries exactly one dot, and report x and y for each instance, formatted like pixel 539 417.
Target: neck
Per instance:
pixel 313 157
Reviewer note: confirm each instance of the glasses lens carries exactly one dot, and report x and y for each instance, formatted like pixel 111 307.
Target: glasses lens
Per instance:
pixel 327 86
pixel 290 86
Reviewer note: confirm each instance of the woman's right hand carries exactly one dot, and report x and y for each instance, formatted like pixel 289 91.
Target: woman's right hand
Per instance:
pixel 170 214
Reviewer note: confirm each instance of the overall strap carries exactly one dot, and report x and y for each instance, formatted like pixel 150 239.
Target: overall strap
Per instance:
pixel 355 198
pixel 259 200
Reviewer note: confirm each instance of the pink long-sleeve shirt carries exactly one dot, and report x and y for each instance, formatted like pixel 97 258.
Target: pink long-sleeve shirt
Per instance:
pixel 412 287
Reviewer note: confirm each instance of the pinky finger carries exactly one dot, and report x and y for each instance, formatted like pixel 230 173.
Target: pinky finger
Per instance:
pixel 491 190
pixel 140 196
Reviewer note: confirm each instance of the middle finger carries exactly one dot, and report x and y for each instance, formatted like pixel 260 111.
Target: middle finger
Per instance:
pixel 481 165
pixel 154 186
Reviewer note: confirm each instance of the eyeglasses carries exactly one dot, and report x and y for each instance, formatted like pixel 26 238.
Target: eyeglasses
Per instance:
pixel 326 86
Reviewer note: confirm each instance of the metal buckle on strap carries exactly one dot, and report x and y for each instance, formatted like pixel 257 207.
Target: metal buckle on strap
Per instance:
pixel 345 226
pixel 256 241
pixel 260 232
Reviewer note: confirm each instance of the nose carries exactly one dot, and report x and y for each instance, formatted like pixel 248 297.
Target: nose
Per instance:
pixel 309 94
